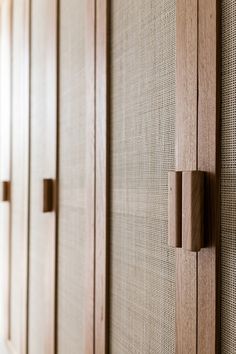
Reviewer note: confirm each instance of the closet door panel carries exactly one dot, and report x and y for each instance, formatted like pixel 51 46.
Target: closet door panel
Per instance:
pixel 43 166
pixel 142 151
pixel 76 179
pixel 20 176
pixel 5 170
pixel 228 181
pixel 72 152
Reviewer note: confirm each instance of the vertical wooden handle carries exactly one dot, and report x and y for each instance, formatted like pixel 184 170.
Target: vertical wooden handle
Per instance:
pixel 193 210
pixel 175 209
pixel 186 210
pixel 48 195
pixel 6 191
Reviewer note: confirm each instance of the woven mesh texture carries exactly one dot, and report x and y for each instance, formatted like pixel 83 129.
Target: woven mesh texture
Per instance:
pixel 228 179
pixel 71 258
pixel 142 266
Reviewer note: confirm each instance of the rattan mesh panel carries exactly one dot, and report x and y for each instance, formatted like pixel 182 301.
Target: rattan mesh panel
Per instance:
pixel 142 266
pixel 72 149
pixel 228 179
pixel 43 129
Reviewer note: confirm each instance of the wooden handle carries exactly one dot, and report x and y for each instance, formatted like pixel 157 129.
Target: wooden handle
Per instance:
pixel 175 209
pixel 6 191
pixel 48 195
pixel 186 210
pixel 193 210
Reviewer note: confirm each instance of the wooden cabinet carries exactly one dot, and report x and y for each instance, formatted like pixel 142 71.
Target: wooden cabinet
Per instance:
pixel 98 101
pixel 47 150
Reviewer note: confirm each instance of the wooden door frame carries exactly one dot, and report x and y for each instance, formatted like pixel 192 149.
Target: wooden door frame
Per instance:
pixel 209 78
pixel 197 47
pixel 24 62
pixel 6 27
pixel 186 160
pixel 101 254
pixel 24 86
pixel 90 173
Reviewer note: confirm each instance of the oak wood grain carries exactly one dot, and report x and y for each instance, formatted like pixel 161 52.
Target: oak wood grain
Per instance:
pixel 186 84
pixel 193 210
pixel 90 173
pixel 101 179
pixel 208 160
pixel 175 209
pixel 186 159
pixel 5 162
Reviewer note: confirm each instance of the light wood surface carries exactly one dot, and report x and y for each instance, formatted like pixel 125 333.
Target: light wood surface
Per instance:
pixel 5 169
pixel 208 160
pixel 43 165
pixel 175 209
pixel 193 210
pixel 101 179
pixel 4 348
pixel 90 180
pixel 186 159
pixel 186 84
pixel 16 190
pixel 10 348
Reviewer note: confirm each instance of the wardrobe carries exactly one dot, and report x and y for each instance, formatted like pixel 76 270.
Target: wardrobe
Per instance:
pixel 117 177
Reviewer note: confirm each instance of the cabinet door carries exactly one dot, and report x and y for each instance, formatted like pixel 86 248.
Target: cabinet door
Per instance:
pixel 5 173
pixel 227 309
pixel 20 177
pixel 142 151
pixel 76 178
pixel 43 133
pixel 163 110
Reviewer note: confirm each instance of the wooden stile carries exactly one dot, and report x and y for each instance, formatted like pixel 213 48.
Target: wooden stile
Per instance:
pixel 193 210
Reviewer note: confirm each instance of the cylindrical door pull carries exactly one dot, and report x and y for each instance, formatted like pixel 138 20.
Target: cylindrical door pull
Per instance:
pixel 6 191
pixel 48 195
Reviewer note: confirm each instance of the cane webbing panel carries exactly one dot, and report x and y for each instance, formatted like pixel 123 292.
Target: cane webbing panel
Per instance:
pixel 142 266
pixel 228 179
pixel 43 132
pixel 72 149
